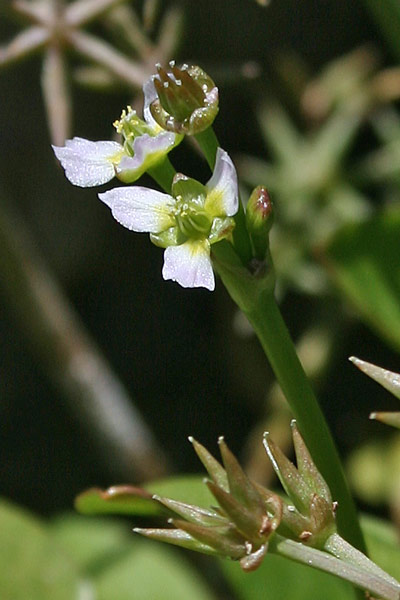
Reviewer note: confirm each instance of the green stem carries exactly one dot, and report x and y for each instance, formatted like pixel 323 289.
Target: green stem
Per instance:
pixel 208 143
pixel 163 174
pixel 254 295
pixel 342 550
pixel 278 346
pixel 371 581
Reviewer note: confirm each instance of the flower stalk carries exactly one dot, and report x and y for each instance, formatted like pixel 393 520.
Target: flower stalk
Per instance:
pixel 355 574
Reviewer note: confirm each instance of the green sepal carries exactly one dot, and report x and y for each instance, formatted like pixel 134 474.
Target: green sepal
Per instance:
pixel 221 229
pixel 170 237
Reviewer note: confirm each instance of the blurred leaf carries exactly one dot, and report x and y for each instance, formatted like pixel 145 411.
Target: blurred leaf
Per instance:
pixel 387 16
pixel 185 488
pixel 383 544
pixel 364 261
pixel 278 577
pixel 119 499
pixel 151 572
pixel 92 542
pixel 374 470
pixel 131 500
pixel 32 566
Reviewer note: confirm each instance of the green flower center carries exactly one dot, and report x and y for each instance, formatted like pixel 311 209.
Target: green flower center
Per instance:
pixel 191 219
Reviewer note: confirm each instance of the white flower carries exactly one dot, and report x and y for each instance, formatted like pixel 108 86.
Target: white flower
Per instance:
pixel 89 163
pixel 185 223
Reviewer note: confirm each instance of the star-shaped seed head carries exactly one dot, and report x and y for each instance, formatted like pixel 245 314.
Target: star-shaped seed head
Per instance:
pixel 308 513
pixel 239 528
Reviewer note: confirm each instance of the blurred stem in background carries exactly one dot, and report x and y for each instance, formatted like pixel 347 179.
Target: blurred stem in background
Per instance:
pixel 69 357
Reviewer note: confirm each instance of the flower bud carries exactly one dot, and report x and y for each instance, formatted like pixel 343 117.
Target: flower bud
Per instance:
pixel 259 217
pixel 184 100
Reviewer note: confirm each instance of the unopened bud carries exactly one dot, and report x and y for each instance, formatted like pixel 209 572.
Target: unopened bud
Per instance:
pixel 259 218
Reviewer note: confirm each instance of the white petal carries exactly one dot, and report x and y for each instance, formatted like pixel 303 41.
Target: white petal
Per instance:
pixel 140 209
pixel 150 94
pixel 148 151
pixel 223 195
pixel 189 264
pixel 88 163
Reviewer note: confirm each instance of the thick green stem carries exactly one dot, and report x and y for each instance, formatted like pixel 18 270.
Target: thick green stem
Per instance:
pixel 268 323
pixel 371 581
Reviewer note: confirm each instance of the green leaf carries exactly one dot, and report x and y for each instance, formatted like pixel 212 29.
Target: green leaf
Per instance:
pixel 383 544
pixel 374 470
pixel 278 577
pixel 130 500
pixel 186 488
pixel 32 565
pixel 151 571
pixel 364 261
pixel 91 542
pixel 119 499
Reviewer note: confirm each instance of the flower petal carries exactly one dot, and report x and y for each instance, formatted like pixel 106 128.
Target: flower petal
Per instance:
pixel 148 151
pixel 223 195
pixel 140 209
pixel 88 163
pixel 189 264
pixel 150 94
